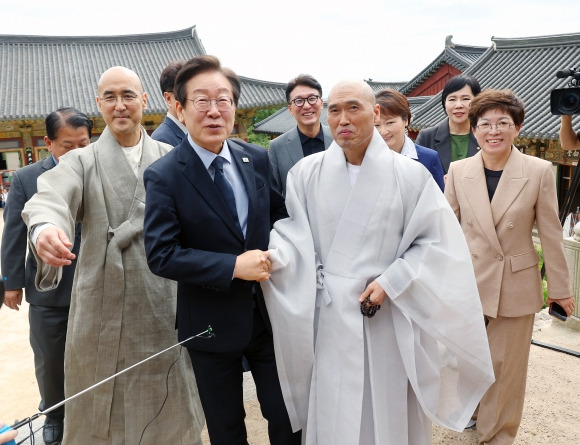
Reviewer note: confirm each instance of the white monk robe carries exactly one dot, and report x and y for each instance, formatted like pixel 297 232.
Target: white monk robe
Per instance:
pixel 120 312
pixel 348 379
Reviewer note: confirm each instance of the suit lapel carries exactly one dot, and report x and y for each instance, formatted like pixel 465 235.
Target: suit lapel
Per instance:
pixel 510 185
pixel 475 188
pixel 294 146
pixel 473 146
pixel 193 169
pixel 245 165
pixel 442 143
pixel 46 164
pixel 327 136
pixel 176 130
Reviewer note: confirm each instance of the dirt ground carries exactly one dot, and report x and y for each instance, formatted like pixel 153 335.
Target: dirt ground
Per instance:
pixel 551 414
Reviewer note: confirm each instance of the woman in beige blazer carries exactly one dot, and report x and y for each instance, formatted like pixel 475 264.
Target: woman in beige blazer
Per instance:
pixel 498 195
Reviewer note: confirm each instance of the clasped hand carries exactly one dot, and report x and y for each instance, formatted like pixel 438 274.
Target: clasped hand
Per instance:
pixel 376 293
pixel 566 303
pixel 53 247
pixel 253 265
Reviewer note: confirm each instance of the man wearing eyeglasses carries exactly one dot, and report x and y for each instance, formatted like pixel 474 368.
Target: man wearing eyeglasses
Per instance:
pixel 120 312
pixel 304 97
pixel 171 131
pixel 66 129
pixel 211 203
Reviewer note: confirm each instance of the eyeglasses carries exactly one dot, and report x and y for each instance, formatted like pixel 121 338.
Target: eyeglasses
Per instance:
pixel 500 126
pixel 299 101
pixel 125 98
pixel 203 103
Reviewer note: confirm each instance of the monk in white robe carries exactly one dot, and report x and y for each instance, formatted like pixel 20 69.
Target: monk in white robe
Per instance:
pixel 365 221
pixel 120 312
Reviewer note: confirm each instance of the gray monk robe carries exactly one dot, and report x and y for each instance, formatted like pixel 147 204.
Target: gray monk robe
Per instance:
pixel 120 312
pixel 424 357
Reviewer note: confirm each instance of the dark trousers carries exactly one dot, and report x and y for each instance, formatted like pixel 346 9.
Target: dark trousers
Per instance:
pixel 219 381
pixel 47 338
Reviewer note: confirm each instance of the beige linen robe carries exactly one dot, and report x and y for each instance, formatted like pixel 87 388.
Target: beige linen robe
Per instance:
pixel 120 312
pixel 424 356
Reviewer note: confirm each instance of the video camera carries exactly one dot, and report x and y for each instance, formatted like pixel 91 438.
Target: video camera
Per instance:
pixel 566 100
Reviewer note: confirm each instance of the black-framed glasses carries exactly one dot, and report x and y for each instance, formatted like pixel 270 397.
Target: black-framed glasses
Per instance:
pixel 300 101
pixel 203 103
pixel 111 99
pixel 500 126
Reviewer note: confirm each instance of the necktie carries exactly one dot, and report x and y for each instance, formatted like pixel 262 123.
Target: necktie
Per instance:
pixel 225 188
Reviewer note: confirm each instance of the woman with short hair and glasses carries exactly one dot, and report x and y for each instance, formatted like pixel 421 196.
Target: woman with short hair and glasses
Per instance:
pixel 498 195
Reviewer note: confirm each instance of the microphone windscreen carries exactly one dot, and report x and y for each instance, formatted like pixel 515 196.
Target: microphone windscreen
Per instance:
pixel 562 74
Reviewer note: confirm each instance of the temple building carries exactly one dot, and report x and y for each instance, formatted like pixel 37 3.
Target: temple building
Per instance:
pixel 453 60
pixel 39 74
pixel 282 121
pixel 525 65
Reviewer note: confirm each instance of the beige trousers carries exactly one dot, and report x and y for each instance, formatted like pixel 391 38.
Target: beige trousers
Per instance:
pixel 501 408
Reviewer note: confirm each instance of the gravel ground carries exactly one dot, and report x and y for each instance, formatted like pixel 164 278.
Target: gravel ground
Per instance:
pixel 550 414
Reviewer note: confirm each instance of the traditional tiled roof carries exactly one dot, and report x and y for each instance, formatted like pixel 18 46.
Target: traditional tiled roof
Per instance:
pixel 458 56
pixel 282 121
pixel 378 86
pixel 260 93
pixel 417 102
pixel 527 66
pixel 39 74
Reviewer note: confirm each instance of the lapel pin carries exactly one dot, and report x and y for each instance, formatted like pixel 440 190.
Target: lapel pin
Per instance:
pixel 245 160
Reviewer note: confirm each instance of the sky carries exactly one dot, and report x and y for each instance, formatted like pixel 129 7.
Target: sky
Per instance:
pixel 275 40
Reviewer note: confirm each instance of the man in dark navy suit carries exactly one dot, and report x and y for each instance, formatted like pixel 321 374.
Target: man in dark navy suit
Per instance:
pixel 210 206
pixel 66 129
pixel 171 131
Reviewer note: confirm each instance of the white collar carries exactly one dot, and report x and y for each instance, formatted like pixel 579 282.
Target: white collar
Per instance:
pixel 409 149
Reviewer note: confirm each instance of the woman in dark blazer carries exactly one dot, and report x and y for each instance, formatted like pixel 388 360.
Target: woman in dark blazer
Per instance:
pixel 499 195
pixel 394 120
pixel 453 138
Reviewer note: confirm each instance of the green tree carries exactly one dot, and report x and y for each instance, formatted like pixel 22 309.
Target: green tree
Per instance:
pixel 260 138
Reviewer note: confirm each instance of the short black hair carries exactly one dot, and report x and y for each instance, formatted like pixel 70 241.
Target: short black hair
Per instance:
pixel 168 75
pixel 66 117
pixel 456 83
pixel 303 79
pixel 199 65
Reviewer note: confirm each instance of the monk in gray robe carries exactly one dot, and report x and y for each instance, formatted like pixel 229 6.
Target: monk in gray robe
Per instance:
pixel 120 312
pixel 369 233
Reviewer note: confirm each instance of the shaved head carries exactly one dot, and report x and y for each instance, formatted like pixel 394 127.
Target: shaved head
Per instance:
pixel 116 72
pixel 352 115
pixel 365 91
pixel 121 101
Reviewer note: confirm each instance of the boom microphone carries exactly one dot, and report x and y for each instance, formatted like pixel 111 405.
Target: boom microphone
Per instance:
pixel 562 74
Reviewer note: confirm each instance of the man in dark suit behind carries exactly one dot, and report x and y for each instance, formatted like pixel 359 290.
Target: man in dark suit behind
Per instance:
pixel 305 103
pixel 171 131
pixel 66 129
pixel 209 210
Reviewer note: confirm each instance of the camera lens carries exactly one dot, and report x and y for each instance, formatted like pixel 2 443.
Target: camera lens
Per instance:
pixel 565 101
pixel 569 102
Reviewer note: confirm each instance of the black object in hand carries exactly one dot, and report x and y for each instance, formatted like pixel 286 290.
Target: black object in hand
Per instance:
pixel 368 308
pixel 557 311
